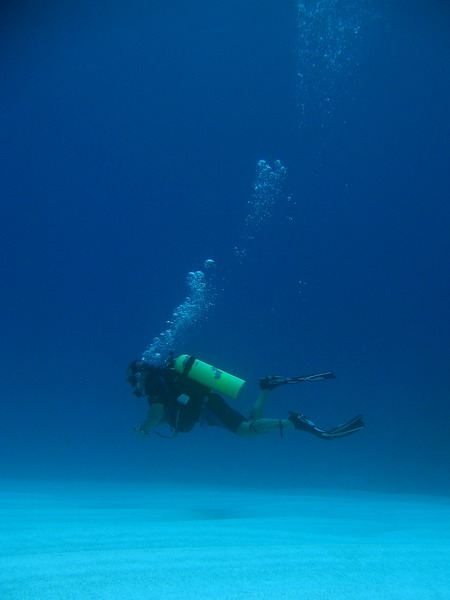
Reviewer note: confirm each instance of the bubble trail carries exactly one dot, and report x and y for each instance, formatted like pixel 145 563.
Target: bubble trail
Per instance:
pixel 192 311
pixel 328 40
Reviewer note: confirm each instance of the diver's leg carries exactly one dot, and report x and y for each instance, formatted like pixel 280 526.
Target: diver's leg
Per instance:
pixel 258 426
pixel 297 421
pixel 257 411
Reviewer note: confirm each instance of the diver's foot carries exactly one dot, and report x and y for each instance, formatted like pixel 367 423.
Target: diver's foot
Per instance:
pixel 302 423
pixel 271 382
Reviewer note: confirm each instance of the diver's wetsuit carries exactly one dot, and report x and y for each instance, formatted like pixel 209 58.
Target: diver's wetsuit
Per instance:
pixel 196 405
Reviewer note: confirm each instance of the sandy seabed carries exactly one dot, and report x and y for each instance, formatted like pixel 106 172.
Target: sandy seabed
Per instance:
pixel 116 541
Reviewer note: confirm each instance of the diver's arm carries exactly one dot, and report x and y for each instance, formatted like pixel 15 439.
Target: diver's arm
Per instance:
pixel 155 417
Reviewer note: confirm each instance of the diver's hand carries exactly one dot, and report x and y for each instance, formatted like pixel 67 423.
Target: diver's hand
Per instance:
pixel 141 432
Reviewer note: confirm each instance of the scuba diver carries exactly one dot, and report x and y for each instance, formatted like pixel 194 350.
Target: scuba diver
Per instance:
pixel 183 392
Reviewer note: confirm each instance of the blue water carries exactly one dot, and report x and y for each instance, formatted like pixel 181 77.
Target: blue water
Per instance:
pixel 130 139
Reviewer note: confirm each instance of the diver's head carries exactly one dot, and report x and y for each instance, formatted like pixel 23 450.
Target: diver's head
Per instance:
pixel 137 373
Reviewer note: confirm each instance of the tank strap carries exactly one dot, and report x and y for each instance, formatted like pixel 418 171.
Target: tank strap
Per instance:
pixel 188 366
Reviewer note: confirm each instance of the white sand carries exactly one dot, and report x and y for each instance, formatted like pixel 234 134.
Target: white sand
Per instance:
pixel 69 541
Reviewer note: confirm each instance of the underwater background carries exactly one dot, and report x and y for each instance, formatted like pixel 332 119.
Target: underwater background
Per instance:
pixel 130 138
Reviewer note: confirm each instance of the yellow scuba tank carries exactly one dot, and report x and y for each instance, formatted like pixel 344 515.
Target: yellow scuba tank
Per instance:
pixel 209 376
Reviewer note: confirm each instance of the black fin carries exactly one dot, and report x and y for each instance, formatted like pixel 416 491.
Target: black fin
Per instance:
pixel 273 381
pixel 348 428
pixel 316 377
pixel 304 424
